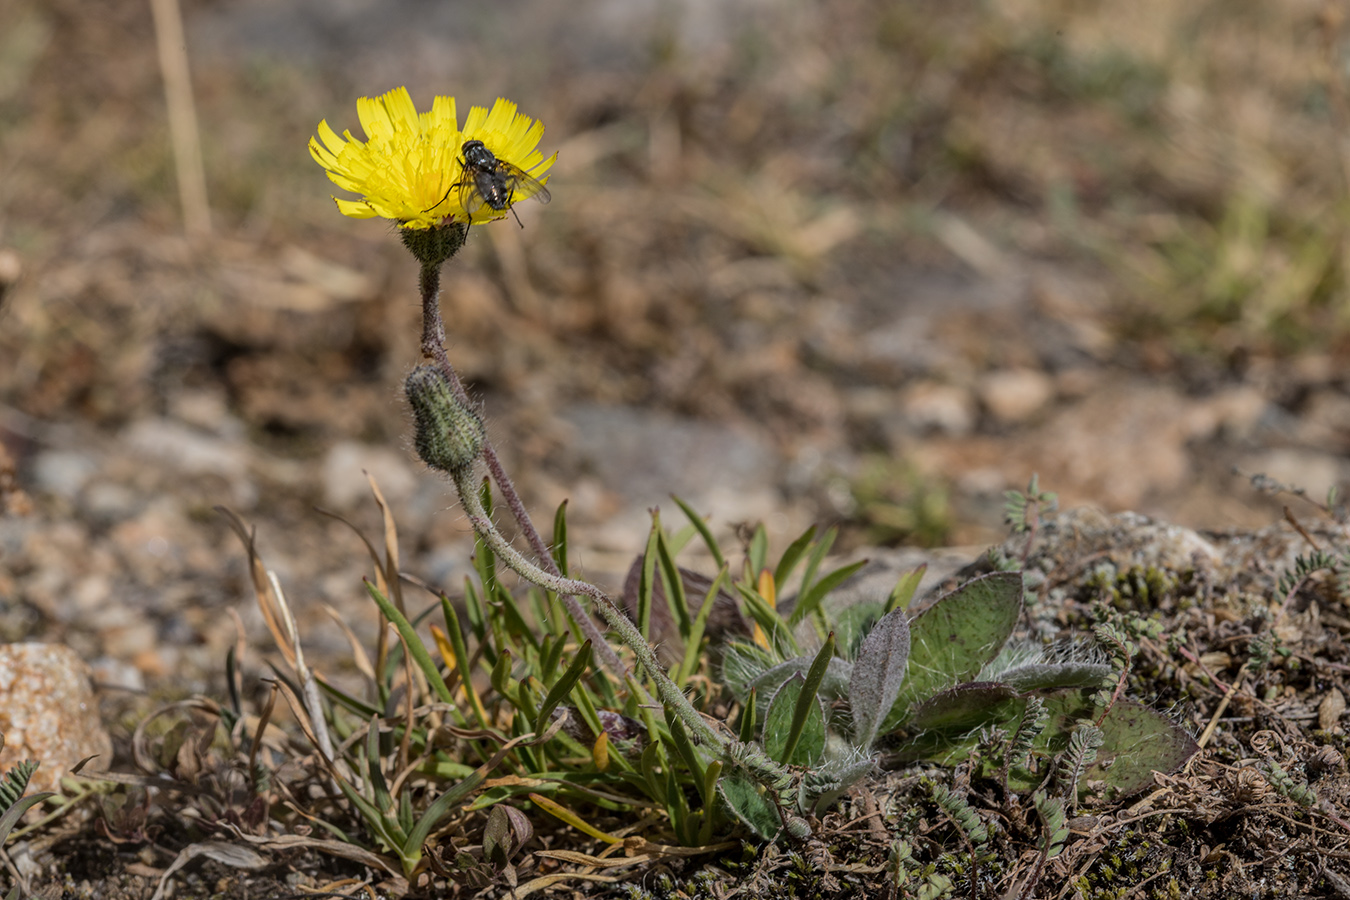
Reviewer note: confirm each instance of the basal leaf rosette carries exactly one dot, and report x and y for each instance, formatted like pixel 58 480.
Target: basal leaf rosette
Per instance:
pixel 408 168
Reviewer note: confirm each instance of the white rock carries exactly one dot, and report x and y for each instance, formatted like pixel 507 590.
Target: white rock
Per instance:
pixel 48 712
pixel 1015 395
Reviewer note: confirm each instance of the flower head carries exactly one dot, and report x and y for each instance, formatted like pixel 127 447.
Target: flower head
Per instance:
pixel 410 168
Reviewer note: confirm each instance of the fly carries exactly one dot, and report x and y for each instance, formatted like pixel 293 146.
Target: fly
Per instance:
pixel 496 182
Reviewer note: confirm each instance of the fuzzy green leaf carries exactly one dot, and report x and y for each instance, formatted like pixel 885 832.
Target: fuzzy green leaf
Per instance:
pixel 878 675
pixel 1137 742
pixel 750 803
pixel 952 640
pixel 945 727
pixel 1048 676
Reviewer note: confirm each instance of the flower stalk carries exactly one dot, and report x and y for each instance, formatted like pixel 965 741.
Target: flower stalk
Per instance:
pixel 433 348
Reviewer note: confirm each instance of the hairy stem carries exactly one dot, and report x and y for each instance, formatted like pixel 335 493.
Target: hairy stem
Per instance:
pixel 433 348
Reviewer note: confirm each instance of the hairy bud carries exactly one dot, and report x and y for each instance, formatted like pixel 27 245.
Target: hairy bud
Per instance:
pixel 450 435
pixel 433 246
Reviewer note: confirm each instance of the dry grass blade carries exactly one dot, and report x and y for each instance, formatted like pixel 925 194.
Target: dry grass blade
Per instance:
pixel 186 137
pixel 594 862
pixel 302 718
pixel 390 584
pixel 538 884
pixel 278 621
pixel 332 848
pixel 232 855
pixel 359 656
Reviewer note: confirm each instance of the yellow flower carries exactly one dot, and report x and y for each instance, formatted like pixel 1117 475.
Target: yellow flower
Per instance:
pixel 410 168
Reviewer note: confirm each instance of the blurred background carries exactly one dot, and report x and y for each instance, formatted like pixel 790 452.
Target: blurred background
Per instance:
pixel 863 263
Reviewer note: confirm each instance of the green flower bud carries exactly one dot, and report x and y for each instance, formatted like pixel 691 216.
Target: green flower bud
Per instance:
pixel 450 435
pixel 433 246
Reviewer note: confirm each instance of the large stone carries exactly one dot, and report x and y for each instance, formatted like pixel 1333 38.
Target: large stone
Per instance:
pixel 48 712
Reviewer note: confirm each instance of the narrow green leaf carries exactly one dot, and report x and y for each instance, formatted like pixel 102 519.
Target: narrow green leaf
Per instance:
pixel 747 726
pixel 563 687
pixel 473 608
pixel 484 559
pixel 16 811
pixel 560 538
pixel 677 541
pixel 647 578
pixel 757 554
pixel 550 654
pixel 347 701
pixel 791 556
pixel 710 780
pixel 650 762
pixel 375 819
pixel 805 746
pixel 515 619
pixel 677 807
pixel 405 812
pixel 818 554
pixel 416 648
pixel 674 584
pixel 694 641
pixel 811 598
pixel 438 810
pixel 802 720
pixel 462 660
pixel 586 709
pixel 502 682
pixel 704 531
pixel 679 737
pixel 376 788
pixel 774 626
pixel 903 592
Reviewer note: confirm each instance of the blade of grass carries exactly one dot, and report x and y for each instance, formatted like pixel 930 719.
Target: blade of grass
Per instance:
pixel 564 686
pixel 693 644
pixel 704 531
pixel 563 814
pixel 462 660
pixel 675 596
pixel 791 557
pixel 560 538
pixel 757 554
pixel 747 726
pixel 416 649
pixel 903 592
pixel 647 579
pixel 810 600
pixel 814 676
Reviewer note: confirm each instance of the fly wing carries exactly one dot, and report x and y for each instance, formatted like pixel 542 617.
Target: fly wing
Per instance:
pixel 520 186
pixel 470 198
